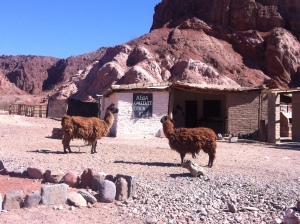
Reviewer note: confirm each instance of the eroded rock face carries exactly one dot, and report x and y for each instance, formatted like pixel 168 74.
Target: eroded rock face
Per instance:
pixel 26 72
pixel 282 58
pixel 36 74
pixel 211 42
pixel 261 15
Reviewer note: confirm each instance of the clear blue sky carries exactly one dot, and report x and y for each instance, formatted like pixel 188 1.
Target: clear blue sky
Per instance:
pixel 62 28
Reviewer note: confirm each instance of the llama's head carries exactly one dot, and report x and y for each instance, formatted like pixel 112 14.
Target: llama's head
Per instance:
pixel 165 119
pixel 112 109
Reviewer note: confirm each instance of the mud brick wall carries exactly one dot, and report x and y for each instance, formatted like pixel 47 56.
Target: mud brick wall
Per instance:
pixel 296 117
pixel 243 113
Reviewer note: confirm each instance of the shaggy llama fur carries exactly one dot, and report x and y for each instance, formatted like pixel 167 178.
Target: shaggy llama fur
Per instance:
pixel 190 140
pixel 89 129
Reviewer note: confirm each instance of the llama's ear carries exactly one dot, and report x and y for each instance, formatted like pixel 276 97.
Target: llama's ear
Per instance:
pixel 164 119
pixel 110 106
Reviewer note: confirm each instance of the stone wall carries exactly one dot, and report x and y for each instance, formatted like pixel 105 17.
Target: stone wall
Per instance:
pixel 57 108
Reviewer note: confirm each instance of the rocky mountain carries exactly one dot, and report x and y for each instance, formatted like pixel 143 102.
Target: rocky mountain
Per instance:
pixel 40 75
pixel 221 42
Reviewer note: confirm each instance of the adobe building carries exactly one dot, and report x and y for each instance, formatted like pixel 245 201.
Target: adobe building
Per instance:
pixel 252 113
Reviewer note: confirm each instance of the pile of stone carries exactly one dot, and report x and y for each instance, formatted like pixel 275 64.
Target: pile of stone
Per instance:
pixel 90 188
pixel 57 133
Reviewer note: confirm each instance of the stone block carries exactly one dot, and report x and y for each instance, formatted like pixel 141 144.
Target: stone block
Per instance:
pixel 121 189
pixel 97 178
pixel 87 178
pixel 72 179
pixel 32 200
pixel 131 180
pixel 76 199
pixel 13 200
pixel 54 194
pixel 35 172
pixel 233 139
pixel 88 196
pixel 107 191
pixel 54 176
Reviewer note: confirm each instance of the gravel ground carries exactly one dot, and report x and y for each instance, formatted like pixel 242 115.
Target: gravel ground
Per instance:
pixel 249 183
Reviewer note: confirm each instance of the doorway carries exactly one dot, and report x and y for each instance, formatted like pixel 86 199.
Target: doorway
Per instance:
pixel 191 114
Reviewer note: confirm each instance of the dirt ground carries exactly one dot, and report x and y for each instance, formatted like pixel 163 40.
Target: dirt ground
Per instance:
pixel 26 141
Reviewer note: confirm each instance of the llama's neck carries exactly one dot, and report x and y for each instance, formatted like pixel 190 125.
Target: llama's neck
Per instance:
pixel 168 128
pixel 109 118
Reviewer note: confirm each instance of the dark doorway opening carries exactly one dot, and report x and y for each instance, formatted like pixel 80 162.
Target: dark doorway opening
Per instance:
pixel 191 114
pixel 211 108
pixel 84 109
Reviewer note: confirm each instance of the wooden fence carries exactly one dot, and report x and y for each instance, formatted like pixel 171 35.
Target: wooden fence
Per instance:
pixel 28 110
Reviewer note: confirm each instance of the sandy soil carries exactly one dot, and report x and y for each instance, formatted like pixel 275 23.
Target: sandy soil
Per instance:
pixel 27 142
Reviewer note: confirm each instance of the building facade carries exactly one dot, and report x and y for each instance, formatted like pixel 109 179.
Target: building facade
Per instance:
pixel 251 113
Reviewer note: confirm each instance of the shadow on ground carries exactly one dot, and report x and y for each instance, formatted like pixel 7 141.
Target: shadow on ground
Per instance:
pixel 48 151
pixel 287 144
pixel 175 175
pixel 161 164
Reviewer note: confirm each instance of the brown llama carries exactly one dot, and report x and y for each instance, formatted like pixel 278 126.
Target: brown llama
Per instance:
pixel 89 129
pixel 190 140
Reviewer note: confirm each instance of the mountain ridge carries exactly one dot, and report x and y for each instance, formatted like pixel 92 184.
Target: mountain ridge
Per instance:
pixel 225 42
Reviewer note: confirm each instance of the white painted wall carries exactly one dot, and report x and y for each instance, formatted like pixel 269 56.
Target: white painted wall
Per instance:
pixel 105 102
pixel 127 126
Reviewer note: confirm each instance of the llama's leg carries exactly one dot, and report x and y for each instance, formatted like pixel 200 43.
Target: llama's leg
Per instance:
pixel 93 149
pixel 182 155
pixel 66 143
pixel 212 156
